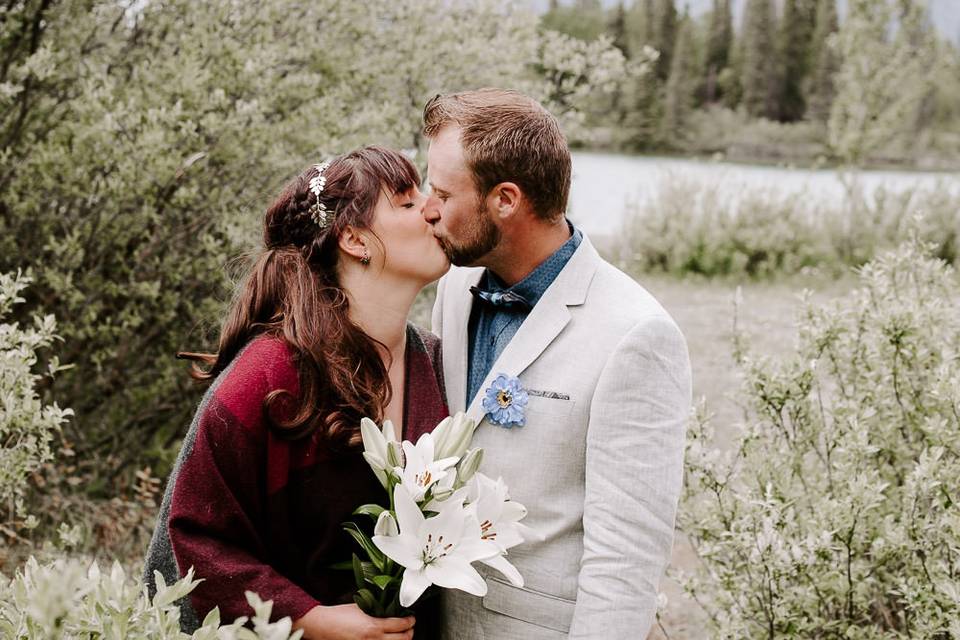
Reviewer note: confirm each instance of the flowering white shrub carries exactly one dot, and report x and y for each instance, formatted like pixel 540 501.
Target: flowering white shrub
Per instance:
pixel 834 514
pixel 66 599
pixel 27 425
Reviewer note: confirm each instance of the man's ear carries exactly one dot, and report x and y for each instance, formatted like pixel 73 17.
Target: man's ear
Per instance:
pixel 353 243
pixel 505 199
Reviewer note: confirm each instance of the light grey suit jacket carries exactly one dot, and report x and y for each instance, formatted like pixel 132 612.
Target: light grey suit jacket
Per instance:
pixel 598 464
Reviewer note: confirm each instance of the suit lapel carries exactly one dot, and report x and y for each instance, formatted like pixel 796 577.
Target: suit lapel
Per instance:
pixel 544 323
pixel 455 335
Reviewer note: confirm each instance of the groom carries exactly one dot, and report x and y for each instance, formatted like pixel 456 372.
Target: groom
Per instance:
pixel 580 378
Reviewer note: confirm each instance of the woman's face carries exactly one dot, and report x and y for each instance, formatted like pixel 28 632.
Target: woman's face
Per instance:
pixel 409 249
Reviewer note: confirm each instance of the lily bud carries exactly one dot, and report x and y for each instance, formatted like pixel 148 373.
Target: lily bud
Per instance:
pixel 442 431
pixel 373 440
pixel 440 495
pixel 378 465
pixel 395 457
pixel 386 525
pixel 454 437
pixel 468 466
pixel 389 431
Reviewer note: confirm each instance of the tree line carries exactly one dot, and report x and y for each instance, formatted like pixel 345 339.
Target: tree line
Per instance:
pixel 779 63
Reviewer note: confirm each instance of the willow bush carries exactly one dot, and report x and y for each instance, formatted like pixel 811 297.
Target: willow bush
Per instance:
pixel 835 512
pixel 28 426
pixel 688 226
pixel 73 600
pixel 140 143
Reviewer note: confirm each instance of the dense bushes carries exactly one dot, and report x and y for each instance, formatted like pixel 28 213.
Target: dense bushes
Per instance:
pixel 139 144
pixel 834 513
pixel 69 599
pixel 690 227
pixel 27 425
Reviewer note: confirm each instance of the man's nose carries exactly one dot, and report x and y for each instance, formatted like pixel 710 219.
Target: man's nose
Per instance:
pixel 431 209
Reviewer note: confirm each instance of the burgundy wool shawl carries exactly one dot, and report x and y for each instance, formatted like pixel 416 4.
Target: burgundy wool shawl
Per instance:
pixel 250 511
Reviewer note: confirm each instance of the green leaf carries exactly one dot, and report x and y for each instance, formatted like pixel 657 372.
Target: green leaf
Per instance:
pixel 382 581
pixel 358 572
pixel 376 556
pixel 365 600
pixel 372 510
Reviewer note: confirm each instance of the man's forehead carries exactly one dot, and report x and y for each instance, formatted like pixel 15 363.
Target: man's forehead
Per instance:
pixel 445 160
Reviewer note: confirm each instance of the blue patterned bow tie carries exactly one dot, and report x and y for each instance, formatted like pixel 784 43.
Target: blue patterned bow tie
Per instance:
pixel 501 299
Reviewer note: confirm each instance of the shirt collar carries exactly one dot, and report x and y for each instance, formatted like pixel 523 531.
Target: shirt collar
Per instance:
pixel 533 286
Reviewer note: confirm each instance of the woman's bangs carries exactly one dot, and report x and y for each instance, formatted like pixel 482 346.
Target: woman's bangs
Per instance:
pixel 399 175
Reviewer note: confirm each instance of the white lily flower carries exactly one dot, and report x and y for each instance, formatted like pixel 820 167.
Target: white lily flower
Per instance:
pixel 421 471
pixel 436 550
pixel 499 519
pixel 375 443
pixel 453 435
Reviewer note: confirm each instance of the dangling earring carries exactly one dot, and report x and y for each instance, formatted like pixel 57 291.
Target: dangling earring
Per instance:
pixel 365 260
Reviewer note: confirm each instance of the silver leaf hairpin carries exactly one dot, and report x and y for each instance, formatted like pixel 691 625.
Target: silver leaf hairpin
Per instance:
pixel 318 210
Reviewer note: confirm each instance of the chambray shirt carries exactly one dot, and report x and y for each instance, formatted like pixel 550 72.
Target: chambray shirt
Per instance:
pixel 491 328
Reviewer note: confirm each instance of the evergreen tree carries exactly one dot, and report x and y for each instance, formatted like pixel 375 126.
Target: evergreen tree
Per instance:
pixel 719 42
pixel 679 93
pixel 824 63
pixel 617 29
pixel 635 25
pixel 796 32
pixel 584 19
pixel 650 21
pixel 759 78
pixel 664 34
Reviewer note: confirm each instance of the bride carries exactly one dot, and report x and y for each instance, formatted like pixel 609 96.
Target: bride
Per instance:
pixel 315 339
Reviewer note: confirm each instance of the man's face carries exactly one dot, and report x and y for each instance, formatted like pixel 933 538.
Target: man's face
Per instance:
pixel 459 216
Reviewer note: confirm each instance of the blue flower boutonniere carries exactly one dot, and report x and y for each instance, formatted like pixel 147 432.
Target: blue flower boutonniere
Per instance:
pixel 505 401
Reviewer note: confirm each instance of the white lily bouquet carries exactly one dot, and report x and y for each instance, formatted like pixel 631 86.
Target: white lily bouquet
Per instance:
pixel 444 515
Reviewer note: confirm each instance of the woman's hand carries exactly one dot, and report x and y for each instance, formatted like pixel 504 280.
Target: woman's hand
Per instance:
pixel 348 622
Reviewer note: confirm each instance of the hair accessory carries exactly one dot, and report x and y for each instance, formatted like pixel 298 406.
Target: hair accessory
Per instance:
pixel 318 210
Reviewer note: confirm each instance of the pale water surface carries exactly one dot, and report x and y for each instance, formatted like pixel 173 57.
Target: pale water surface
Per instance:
pixel 604 184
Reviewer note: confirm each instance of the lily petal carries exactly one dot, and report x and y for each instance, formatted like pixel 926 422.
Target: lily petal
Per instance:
pixel 512 511
pixel 401 549
pixel 409 516
pixel 476 548
pixel 454 573
pixel 412 587
pixel 501 564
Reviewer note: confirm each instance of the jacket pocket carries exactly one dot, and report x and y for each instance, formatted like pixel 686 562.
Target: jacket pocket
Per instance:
pixel 535 607
pixel 550 406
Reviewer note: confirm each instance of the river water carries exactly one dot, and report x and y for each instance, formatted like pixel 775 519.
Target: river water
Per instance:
pixel 605 183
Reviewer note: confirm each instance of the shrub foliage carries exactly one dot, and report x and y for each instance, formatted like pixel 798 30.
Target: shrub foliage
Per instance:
pixel 139 143
pixel 834 514
pixel 709 228
pixel 69 599
pixel 27 425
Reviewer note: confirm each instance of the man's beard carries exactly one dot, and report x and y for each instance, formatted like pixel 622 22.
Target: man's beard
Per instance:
pixel 484 236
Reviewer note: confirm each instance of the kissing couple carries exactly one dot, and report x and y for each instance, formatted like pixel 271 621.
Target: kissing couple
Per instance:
pixel 317 338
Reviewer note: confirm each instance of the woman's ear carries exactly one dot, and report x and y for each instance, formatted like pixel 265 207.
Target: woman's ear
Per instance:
pixel 505 199
pixel 354 243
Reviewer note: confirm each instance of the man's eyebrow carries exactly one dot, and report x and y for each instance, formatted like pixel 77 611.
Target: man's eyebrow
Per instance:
pixel 434 187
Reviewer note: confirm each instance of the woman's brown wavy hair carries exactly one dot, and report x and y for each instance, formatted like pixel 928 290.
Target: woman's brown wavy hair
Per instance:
pixel 292 292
